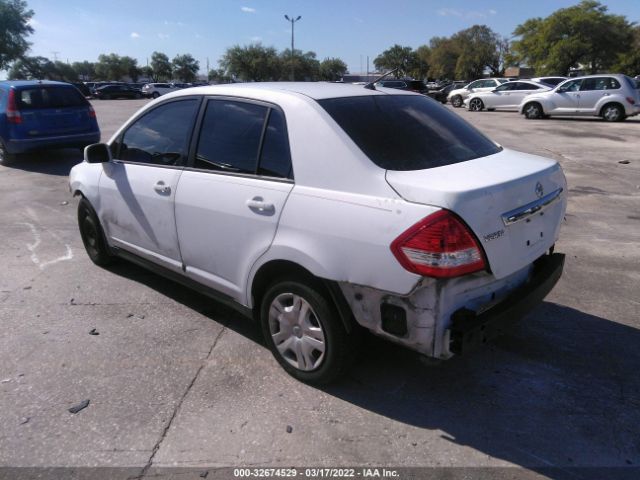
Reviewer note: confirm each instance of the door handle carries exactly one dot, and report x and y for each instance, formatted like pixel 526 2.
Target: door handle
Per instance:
pixel 258 204
pixel 161 188
pixel 606 94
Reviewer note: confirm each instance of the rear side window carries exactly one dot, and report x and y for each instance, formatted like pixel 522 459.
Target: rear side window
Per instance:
pixel 275 159
pixel 600 83
pixel 230 136
pixel 399 132
pixel 49 97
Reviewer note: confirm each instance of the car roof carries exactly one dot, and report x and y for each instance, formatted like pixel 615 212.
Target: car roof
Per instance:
pixel 30 83
pixel 314 90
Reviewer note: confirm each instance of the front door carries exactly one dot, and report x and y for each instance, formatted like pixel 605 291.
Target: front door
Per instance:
pixel 567 98
pixel 137 188
pixel 230 198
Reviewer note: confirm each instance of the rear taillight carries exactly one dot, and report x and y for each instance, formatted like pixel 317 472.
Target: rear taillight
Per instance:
pixel 13 114
pixel 631 100
pixel 92 112
pixel 441 246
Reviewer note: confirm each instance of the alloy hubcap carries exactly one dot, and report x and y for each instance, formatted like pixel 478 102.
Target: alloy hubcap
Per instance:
pixel 296 331
pixel 532 111
pixel 476 105
pixel 611 113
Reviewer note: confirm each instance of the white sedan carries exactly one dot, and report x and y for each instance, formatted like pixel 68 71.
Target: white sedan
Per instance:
pixel 507 96
pixel 322 209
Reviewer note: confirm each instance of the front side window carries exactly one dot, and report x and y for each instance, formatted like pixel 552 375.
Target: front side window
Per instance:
pixel 572 86
pixel 402 132
pixel 506 87
pixel 230 136
pixel 476 84
pixel 160 137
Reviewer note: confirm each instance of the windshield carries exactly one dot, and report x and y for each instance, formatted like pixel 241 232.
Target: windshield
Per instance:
pixel 407 132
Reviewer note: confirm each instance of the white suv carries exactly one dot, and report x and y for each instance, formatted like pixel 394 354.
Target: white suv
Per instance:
pixel 612 97
pixel 324 208
pixel 458 96
pixel 154 90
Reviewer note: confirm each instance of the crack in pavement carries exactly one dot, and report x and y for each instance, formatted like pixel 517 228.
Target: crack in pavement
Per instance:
pixel 165 430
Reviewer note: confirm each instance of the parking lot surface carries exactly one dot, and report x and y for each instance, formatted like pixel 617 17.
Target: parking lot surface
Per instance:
pixel 176 380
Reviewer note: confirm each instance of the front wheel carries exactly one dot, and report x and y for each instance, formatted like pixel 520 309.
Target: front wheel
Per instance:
pixel 304 332
pixel 613 113
pixel 476 105
pixel 92 235
pixel 155 95
pixel 456 101
pixel 533 111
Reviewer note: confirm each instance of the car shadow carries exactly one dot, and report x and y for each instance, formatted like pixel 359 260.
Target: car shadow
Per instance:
pixel 50 162
pixel 558 395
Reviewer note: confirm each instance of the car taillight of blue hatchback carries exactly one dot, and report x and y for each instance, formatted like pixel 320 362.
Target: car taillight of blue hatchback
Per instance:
pixel 41 115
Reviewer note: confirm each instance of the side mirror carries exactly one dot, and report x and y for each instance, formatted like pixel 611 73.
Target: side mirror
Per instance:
pixel 97 153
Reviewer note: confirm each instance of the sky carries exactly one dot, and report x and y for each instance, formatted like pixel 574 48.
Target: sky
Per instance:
pixel 77 30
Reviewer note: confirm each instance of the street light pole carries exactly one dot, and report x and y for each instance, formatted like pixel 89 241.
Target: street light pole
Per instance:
pixel 292 20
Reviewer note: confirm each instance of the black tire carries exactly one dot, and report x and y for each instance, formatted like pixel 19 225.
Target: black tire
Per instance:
pixel 339 345
pixel 92 235
pixel 155 95
pixel 476 105
pixel 6 158
pixel 533 111
pixel 612 112
pixel 456 101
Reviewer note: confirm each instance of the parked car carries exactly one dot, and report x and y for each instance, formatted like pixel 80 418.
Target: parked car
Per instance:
pixel 507 96
pixel 457 96
pixel 551 81
pixel 417 86
pixel 84 90
pixel 38 114
pixel 154 90
pixel 442 93
pixel 322 209
pixel 613 97
pixel 116 91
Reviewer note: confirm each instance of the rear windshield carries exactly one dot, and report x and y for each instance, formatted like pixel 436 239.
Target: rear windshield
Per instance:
pixel 49 97
pixel 407 132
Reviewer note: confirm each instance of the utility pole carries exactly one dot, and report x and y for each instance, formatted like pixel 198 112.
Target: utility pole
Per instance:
pixel 292 20
pixel 55 55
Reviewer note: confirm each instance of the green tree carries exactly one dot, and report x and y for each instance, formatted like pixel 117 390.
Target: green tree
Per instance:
pixel 161 66
pixel 629 61
pixel 422 62
pixel 14 28
pixel 85 70
pixel 332 69
pixel 185 68
pixel 306 67
pixel 443 58
pixel 478 50
pixel 64 72
pixel 219 76
pixel 32 68
pixel 147 72
pixel 110 67
pixel 584 34
pixel 397 57
pixel 252 63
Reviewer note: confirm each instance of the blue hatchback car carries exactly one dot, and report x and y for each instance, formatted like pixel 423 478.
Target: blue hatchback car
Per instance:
pixel 37 114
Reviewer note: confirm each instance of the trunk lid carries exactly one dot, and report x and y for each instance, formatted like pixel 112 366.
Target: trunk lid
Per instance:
pixel 513 202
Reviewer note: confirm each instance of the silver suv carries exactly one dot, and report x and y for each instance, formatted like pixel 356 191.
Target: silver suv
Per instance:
pixel 613 97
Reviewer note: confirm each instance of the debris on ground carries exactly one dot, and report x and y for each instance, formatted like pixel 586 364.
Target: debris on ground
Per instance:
pixel 64 203
pixel 25 420
pixel 204 474
pixel 624 162
pixel 93 331
pixel 79 407
pixel 289 429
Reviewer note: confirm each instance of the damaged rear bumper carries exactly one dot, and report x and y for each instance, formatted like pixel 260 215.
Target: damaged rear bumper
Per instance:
pixel 470 329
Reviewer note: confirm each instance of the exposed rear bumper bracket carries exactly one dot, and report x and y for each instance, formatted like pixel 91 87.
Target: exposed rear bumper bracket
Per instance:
pixel 469 329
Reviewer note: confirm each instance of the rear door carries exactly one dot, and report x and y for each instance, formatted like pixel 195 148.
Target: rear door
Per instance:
pixel 518 92
pixel 595 89
pixel 52 110
pixel 138 188
pixel 230 198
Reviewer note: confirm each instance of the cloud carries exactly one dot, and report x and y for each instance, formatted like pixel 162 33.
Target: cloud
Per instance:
pixel 163 36
pixel 33 23
pixel 256 39
pixel 135 35
pixel 468 14
pixel 248 9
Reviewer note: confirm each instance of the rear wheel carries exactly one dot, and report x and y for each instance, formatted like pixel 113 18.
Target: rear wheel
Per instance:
pixel 456 101
pixel 533 111
pixel 6 158
pixel 476 105
pixel 613 113
pixel 92 235
pixel 303 330
pixel 155 94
